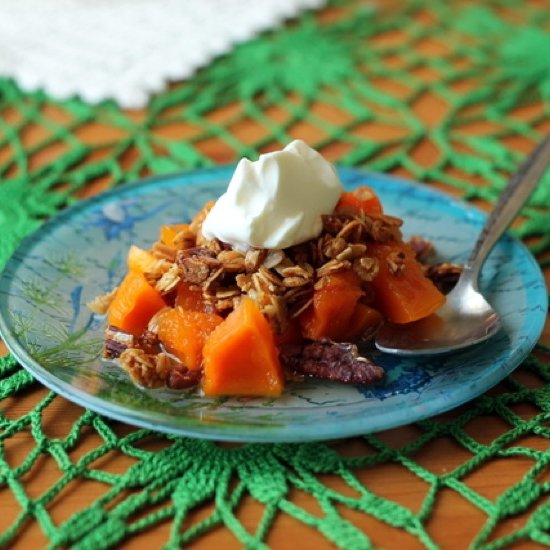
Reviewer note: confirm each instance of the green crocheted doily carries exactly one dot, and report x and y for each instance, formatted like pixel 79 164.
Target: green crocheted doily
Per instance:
pixel 486 68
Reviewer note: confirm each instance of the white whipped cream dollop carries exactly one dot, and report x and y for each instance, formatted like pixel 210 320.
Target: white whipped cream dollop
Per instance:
pixel 276 201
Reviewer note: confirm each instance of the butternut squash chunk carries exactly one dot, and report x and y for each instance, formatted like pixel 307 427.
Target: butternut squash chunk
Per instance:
pixel 363 198
pixel 139 259
pixel 405 295
pixel 168 232
pixel 184 333
pixel 240 356
pixel 190 298
pixel 333 305
pixel 363 319
pixel 135 302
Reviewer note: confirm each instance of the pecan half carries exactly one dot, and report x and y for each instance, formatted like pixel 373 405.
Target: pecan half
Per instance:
pixel 180 377
pixel 116 341
pixel 338 362
pixel 443 275
pixel 196 264
pixel 421 247
pixel 149 342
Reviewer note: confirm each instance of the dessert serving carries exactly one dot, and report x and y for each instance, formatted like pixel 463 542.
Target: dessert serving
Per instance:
pixel 282 278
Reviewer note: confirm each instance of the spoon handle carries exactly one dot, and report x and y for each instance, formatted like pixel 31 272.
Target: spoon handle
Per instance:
pixel 512 198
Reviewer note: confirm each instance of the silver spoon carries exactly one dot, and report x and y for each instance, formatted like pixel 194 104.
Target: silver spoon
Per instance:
pixel 467 318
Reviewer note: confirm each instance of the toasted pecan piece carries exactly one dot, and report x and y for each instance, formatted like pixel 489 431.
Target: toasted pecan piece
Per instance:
pixel 116 341
pixel 443 275
pixel 328 360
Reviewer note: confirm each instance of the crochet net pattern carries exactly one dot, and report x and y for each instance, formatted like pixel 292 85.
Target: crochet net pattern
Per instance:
pixel 456 93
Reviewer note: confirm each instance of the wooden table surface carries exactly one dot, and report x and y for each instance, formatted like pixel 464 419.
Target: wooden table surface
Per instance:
pixel 454 521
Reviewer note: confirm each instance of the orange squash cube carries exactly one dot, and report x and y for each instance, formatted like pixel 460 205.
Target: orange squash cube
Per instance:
pixel 361 199
pixel 184 333
pixel 168 232
pixel 333 305
pixel 190 298
pixel 140 260
pixel 240 356
pixel 406 295
pixel 135 302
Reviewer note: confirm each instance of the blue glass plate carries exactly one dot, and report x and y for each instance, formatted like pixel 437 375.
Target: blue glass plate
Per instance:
pixel 81 253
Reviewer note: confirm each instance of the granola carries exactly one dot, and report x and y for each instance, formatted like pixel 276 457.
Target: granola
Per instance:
pixel 100 304
pixel 283 284
pixel 271 277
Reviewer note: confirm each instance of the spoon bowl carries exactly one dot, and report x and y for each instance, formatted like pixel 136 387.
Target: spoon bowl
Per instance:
pixel 467 318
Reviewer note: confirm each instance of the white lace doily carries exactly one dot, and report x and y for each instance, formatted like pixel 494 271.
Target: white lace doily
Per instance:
pixel 125 49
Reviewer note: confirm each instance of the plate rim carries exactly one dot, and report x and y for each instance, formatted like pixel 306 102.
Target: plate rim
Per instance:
pixel 255 433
